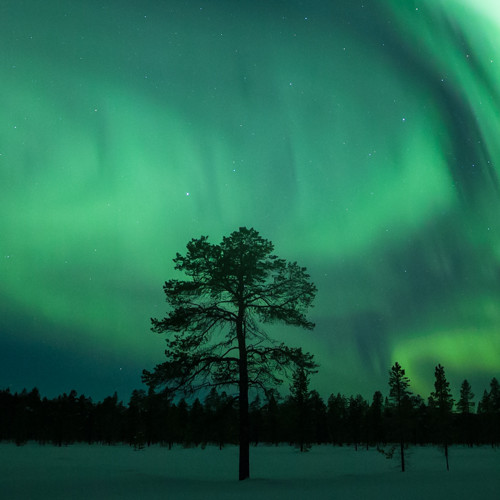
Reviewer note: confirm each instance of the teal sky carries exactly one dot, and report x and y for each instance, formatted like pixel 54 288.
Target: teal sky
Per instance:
pixel 360 137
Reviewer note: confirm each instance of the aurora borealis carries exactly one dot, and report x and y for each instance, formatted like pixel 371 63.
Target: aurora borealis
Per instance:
pixel 361 137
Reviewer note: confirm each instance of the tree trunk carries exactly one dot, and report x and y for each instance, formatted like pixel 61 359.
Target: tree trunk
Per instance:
pixel 244 469
pixel 244 431
pixel 402 449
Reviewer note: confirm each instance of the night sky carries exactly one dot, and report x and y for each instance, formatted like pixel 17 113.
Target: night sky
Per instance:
pixel 360 136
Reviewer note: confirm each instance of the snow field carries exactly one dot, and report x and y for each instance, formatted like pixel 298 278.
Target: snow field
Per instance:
pixel 118 472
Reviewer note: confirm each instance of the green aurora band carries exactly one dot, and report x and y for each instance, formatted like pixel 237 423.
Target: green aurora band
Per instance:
pixel 361 139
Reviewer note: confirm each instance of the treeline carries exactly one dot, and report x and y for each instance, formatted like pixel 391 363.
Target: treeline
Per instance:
pixel 302 418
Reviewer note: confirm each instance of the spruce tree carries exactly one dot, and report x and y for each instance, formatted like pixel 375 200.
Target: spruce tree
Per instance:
pixel 495 395
pixel 271 414
pixel 494 404
pixel 337 418
pixel 441 404
pixel 465 403
pixel 255 415
pixel 375 420
pixel 399 396
pixel 464 407
pixel 299 391
pixel 318 418
pixel 356 415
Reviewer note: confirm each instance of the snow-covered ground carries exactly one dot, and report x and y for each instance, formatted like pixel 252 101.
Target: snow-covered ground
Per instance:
pixel 118 472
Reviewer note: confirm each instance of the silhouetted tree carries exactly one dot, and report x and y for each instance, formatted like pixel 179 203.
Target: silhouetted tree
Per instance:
pixel 337 418
pixel 136 418
pixel 162 415
pixel 270 414
pixel 465 406
pixel 214 336
pixel 109 416
pixel 26 408
pixel 319 421
pixel 196 429
pixel 495 394
pixel 180 421
pixel 441 404
pixel 228 417
pixel 301 411
pixel 374 420
pixel 419 419
pixel 7 414
pixel 465 403
pixel 484 404
pixel 495 409
pixel 85 417
pixel 356 412
pixel 211 405
pixel 255 415
pixel 65 418
pixel 399 396
pixel 219 412
pixel 489 413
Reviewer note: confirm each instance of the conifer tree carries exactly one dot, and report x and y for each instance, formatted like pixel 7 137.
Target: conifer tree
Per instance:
pixel 308 411
pixel 213 326
pixel 465 403
pixel 399 396
pixel 495 395
pixel 136 421
pixel 337 418
pixel 255 415
pixel 375 420
pixel 494 411
pixel 464 407
pixel 271 417
pixel 441 402
pixel 197 428
pixel 214 423
pixel 356 414
pixel 318 418
pixel 299 391
pixel 484 405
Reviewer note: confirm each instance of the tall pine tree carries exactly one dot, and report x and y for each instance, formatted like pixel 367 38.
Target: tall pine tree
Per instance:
pixel 213 325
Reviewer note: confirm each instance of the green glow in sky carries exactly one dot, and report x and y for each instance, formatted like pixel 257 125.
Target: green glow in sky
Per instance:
pixel 362 139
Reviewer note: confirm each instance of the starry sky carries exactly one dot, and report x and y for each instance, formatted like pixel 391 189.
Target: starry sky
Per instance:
pixel 360 136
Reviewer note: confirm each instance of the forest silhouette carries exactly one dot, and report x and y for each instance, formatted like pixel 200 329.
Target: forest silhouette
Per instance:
pixel 301 418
